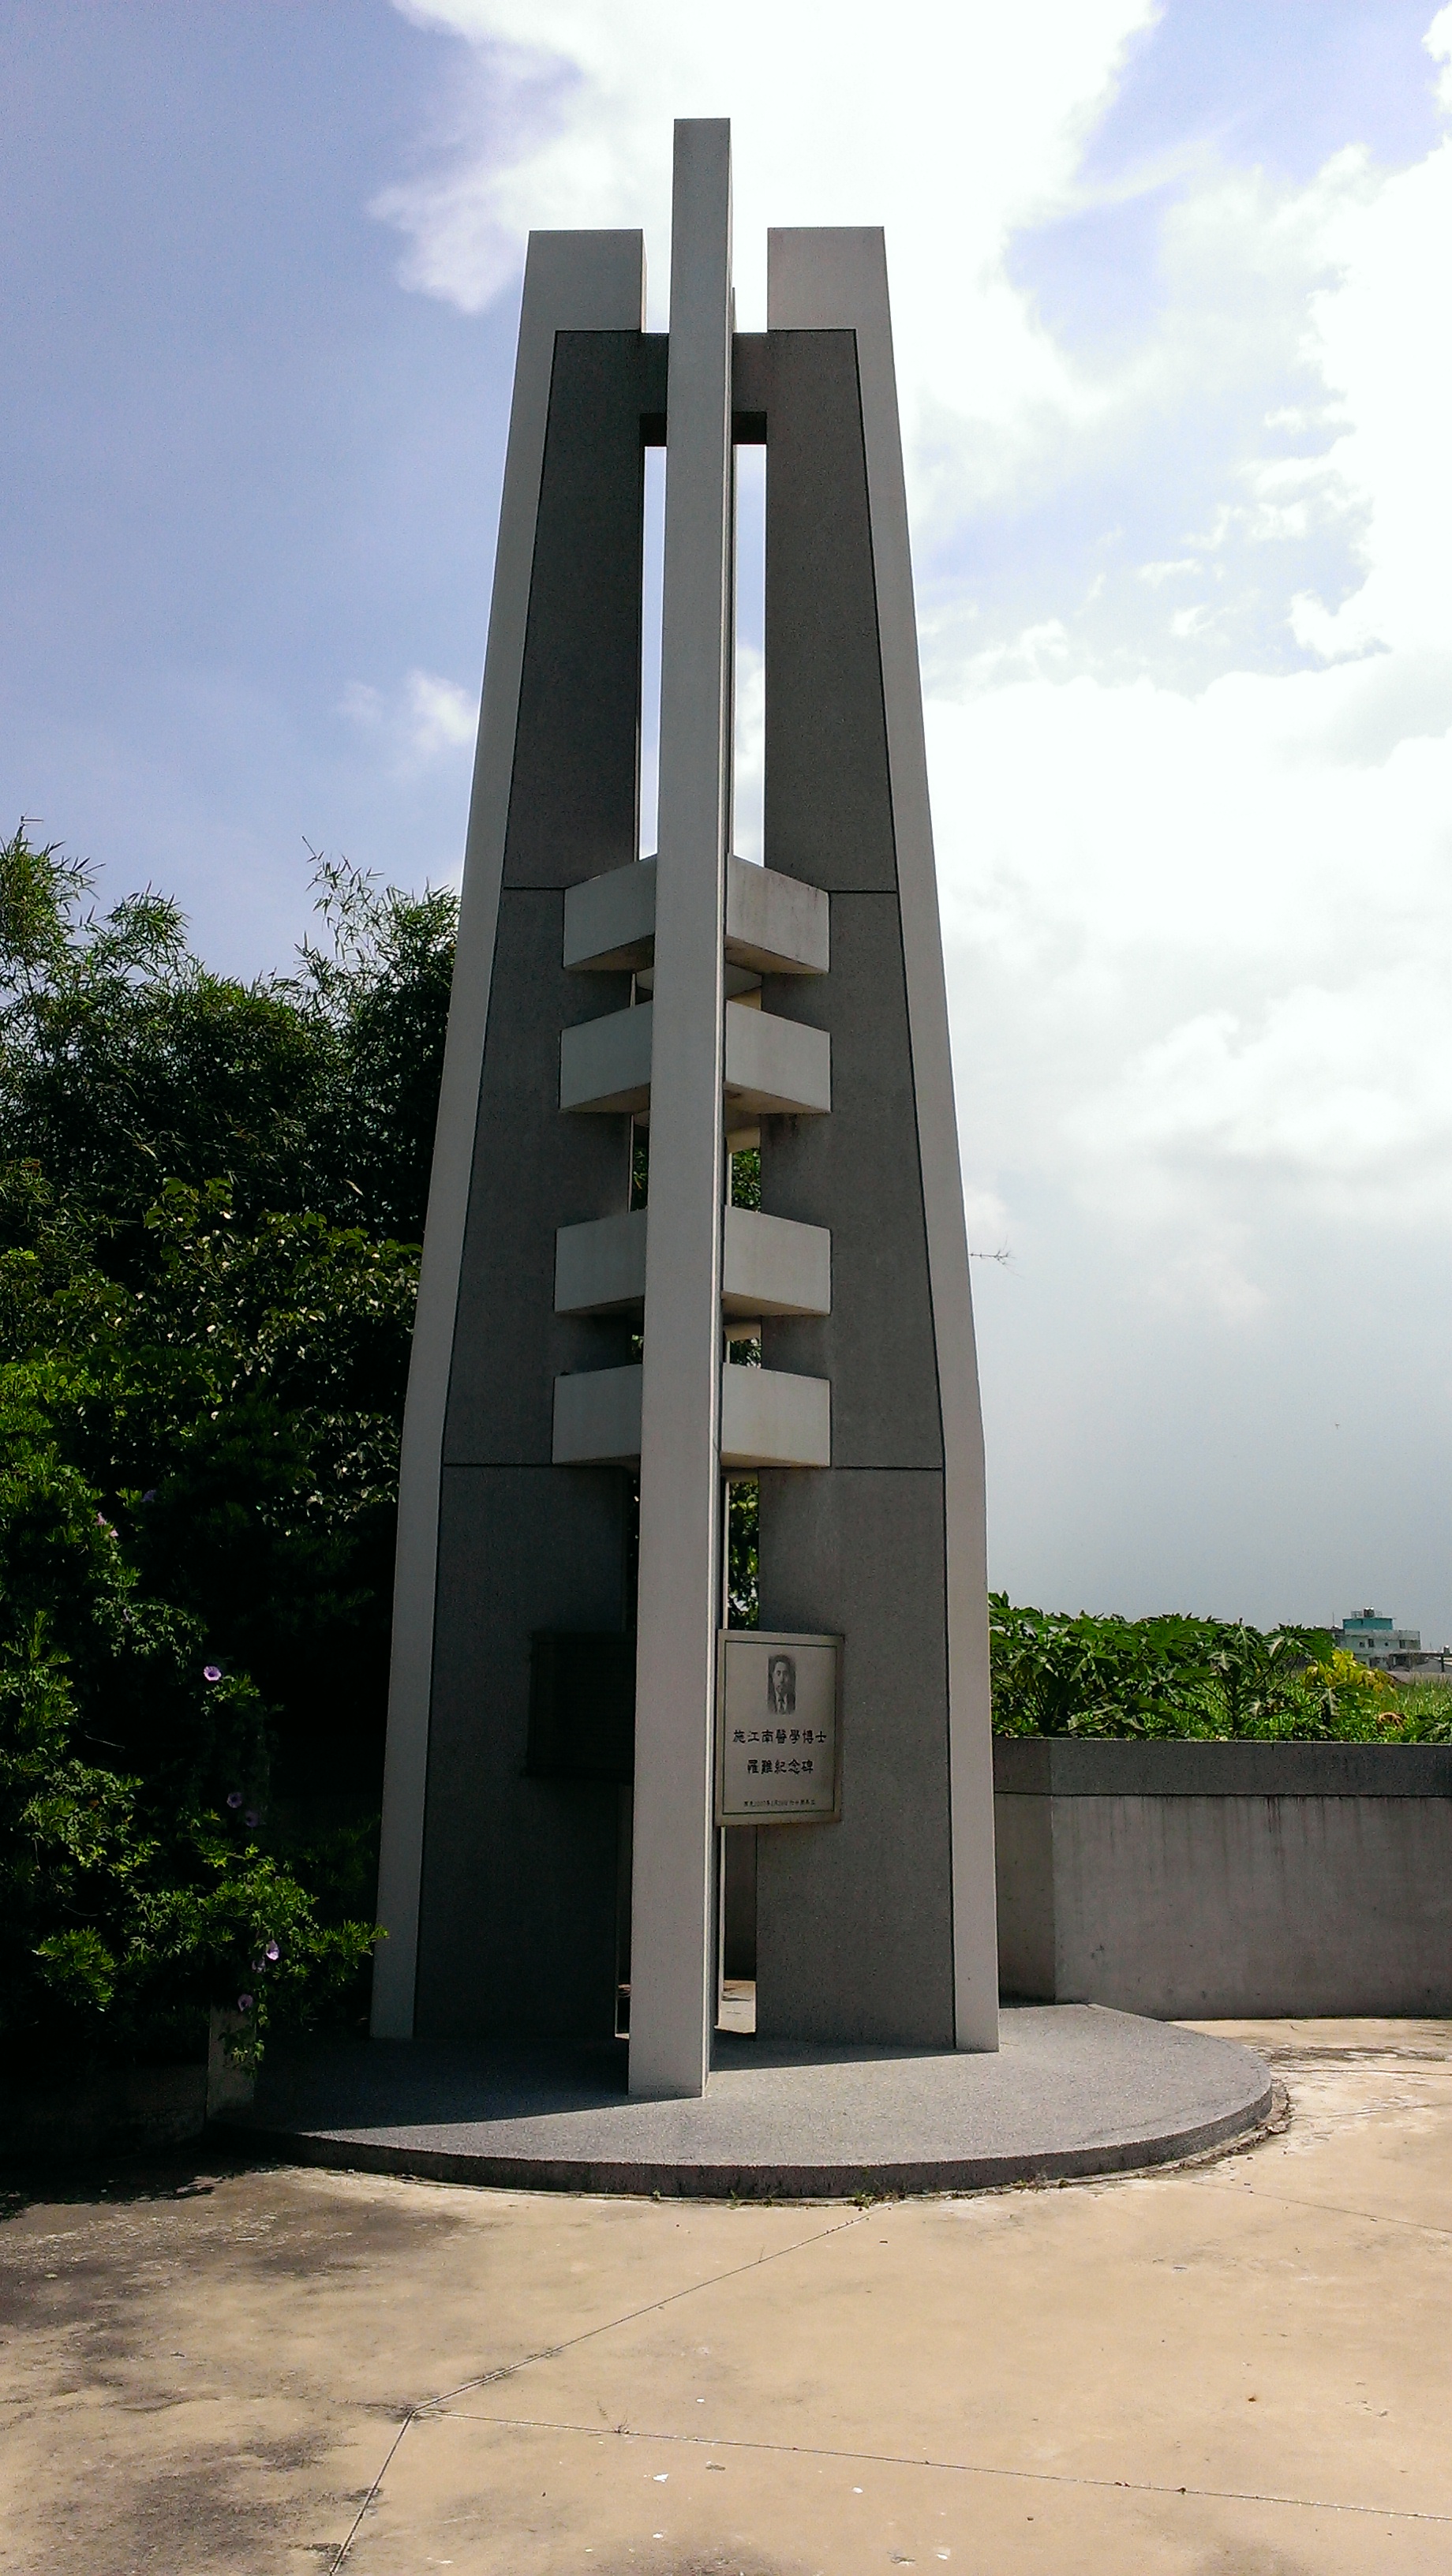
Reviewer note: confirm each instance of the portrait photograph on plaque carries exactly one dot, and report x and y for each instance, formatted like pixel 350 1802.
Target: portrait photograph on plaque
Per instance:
pixel 777 1729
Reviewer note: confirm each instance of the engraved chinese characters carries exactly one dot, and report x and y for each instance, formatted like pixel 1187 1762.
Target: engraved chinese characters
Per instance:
pixel 777 1749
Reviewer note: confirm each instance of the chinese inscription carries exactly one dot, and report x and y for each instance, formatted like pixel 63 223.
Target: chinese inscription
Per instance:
pixel 777 1722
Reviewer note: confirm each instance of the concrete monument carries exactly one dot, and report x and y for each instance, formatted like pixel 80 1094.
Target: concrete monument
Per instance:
pixel 559 1757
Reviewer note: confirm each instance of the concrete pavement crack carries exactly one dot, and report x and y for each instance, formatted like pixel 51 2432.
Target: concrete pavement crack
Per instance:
pixel 960 2468
pixel 587 2334
pixel 1334 2209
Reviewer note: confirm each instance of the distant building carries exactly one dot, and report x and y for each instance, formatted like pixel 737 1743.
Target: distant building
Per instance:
pixel 1378 1642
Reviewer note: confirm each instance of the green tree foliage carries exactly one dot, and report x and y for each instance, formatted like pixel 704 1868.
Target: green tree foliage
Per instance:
pixel 211 1196
pixel 1175 1676
pixel 125 1062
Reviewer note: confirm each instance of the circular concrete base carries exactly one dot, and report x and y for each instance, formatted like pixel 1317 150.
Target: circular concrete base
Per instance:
pixel 1073 2090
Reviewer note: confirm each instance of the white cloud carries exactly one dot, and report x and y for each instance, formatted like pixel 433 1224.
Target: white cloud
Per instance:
pixel 440 716
pixel 1199 939
pixel 750 749
pixel 949 124
pixel 988 1225
pixel 427 718
pixel 1195 950
pixel 1438 41
pixel 1191 752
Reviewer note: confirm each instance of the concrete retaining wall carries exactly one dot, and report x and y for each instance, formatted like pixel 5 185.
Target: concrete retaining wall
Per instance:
pixel 1216 1880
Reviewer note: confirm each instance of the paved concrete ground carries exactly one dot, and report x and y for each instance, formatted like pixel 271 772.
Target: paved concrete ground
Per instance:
pixel 1235 2370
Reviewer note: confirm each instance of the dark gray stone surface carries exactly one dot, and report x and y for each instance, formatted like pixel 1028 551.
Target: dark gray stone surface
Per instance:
pixel 857 1172
pixel 1072 2091
pixel 828 800
pixel 517 1923
pixel 1063 1767
pixel 572 809
pixel 517 1928
pixel 534 1169
pixel 854 1920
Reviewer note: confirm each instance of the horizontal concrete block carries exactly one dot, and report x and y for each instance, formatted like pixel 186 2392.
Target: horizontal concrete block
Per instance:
pixel 600 1266
pixel 610 921
pixel 773 1266
pixel 770 1418
pixel 775 925
pixel 1097 1767
pixel 772 1065
pixel 605 1063
pixel 775 1066
pixel 597 1418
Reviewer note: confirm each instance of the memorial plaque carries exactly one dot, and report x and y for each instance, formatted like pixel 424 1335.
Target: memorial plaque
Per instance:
pixel 776 1729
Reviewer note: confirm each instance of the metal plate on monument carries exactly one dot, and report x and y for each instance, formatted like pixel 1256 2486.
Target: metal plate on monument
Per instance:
pixel 777 1729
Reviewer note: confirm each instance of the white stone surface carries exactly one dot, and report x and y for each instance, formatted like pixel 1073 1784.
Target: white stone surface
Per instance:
pixel 600 1266
pixel 610 920
pixel 605 1063
pixel 775 1065
pixel 597 1417
pixel 772 1064
pixel 775 925
pixel 673 1977
pixel 770 1418
pixel 771 1265
pixel 775 1266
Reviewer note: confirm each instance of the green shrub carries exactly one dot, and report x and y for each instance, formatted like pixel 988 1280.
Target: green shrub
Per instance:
pixel 211 1196
pixel 125 1916
pixel 1056 1674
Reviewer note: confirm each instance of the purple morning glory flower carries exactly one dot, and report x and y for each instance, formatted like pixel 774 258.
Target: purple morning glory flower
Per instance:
pixel 211 1672
pixel 234 1797
pixel 244 2003
pixel 251 1817
pixel 150 1494
pixel 273 1951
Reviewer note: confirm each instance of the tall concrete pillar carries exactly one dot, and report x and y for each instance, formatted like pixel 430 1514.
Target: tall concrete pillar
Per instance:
pixel 672 1965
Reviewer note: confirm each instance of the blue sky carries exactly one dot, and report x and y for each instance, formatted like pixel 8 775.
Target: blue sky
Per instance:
pixel 1169 285
pixel 248 469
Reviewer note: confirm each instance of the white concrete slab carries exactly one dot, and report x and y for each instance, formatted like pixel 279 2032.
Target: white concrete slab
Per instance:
pixel 600 1266
pixel 605 1063
pixel 775 1266
pixel 597 1417
pixel 774 924
pixel 610 920
pixel 771 1266
pixel 770 1418
pixel 775 1067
